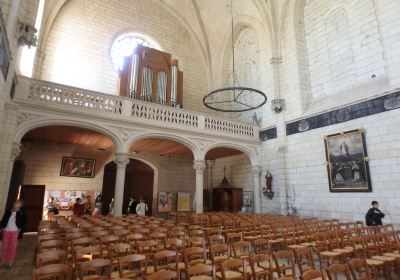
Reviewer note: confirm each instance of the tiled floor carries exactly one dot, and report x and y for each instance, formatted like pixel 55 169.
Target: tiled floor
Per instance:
pixel 22 268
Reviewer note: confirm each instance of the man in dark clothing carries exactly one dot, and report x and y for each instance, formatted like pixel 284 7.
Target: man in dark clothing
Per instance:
pixel 132 205
pixel 374 215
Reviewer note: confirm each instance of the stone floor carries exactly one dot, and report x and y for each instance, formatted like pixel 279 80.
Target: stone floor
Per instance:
pixel 22 268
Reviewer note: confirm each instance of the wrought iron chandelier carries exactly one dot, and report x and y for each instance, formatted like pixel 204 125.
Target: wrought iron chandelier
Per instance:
pixel 235 98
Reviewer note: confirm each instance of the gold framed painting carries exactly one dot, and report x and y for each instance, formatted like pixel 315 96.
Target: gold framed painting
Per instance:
pixel 347 162
pixel 183 202
pixel 77 167
pixel 164 202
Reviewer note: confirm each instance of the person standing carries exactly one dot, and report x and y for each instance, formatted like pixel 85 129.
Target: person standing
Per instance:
pixel 374 216
pixel 132 205
pixel 13 221
pixel 97 206
pixel 51 208
pixel 78 208
pixel 141 208
pixel 89 206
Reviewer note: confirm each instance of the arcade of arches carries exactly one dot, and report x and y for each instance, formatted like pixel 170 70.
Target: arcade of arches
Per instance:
pixel 334 66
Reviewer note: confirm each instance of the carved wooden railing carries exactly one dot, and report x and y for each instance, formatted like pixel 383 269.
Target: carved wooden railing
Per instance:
pixel 53 94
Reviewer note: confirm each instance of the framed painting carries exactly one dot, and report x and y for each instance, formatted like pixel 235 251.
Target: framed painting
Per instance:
pixel 164 202
pixel 248 201
pixel 347 162
pixel 183 202
pixel 77 167
pixel 5 55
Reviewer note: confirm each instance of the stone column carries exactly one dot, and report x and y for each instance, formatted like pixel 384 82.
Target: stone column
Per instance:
pixel 121 160
pixel 256 170
pixel 199 166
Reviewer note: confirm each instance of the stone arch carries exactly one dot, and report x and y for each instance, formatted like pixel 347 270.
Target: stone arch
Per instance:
pixel 252 155
pixel 168 136
pixel 36 123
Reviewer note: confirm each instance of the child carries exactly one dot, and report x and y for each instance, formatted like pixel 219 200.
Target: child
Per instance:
pixel 13 221
pixel 78 208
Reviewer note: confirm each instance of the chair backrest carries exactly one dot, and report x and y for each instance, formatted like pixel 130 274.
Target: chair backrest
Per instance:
pixel 304 259
pixel 240 249
pixel 199 269
pixel 50 257
pixel 98 267
pixel 260 246
pixel 232 265
pixel 194 255
pixel 218 250
pixel 284 259
pixel 57 244
pixel 163 275
pixel 52 271
pixel 132 264
pixel 163 259
pixel 85 253
pixel 255 262
pixel 338 271
pixel 358 268
pixel 312 274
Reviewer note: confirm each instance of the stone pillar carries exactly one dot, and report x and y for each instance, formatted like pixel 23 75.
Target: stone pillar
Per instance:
pixel 199 166
pixel 256 170
pixel 121 160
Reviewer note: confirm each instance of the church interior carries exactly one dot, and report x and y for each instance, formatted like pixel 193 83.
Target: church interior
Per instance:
pixel 200 139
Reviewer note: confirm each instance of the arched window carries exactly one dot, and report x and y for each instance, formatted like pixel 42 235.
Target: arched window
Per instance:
pixel 125 44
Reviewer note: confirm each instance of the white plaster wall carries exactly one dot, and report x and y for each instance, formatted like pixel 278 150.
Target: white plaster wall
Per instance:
pixel 306 170
pixel 78 45
pixel 43 164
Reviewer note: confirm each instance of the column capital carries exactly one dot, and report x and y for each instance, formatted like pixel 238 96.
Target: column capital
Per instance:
pixel 256 170
pixel 121 160
pixel 199 165
pixel 15 151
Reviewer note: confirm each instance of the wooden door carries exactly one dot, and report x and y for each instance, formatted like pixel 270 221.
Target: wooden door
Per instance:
pixel 237 198
pixel 33 197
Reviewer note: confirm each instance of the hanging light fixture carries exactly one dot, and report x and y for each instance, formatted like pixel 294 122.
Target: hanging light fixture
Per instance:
pixel 235 98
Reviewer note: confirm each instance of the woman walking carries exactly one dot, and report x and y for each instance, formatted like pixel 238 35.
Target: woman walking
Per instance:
pixel 13 221
pixel 97 206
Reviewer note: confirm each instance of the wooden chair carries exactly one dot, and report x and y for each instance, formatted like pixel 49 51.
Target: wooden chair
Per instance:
pixel 338 272
pixel 82 242
pixel 94 269
pixel 283 263
pixel 106 241
pixel 260 246
pixel 232 269
pixel 57 244
pixel 358 268
pixel 118 250
pixel 52 271
pixel 304 259
pixel 194 255
pixel 241 250
pixel 313 274
pixel 132 266
pixel 51 257
pixel 163 275
pixel 260 267
pixel 200 271
pixel 219 253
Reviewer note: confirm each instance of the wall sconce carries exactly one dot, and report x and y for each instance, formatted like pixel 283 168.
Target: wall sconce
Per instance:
pixel 268 186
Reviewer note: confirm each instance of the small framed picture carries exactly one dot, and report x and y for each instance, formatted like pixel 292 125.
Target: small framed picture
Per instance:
pixel 77 167
pixel 248 201
pixel 164 202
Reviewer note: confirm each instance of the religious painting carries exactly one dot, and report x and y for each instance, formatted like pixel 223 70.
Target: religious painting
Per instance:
pixel 248 201
pixel 77 167
pixel 347 162
pixel 5 55
pixel 183 201
pixel 65 199
pixel 164 202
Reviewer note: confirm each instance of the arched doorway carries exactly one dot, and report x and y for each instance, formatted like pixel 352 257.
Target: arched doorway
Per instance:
pixel 139 181
pixel 43 151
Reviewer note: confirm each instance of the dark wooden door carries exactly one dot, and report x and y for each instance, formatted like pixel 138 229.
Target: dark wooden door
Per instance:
pixel 33 197
pixel 108 190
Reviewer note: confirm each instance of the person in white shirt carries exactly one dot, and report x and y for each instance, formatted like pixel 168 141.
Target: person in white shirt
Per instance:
pixel 11 224
pixel 141 208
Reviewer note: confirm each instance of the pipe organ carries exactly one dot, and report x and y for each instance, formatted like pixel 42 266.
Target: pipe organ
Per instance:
pixel 151 75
